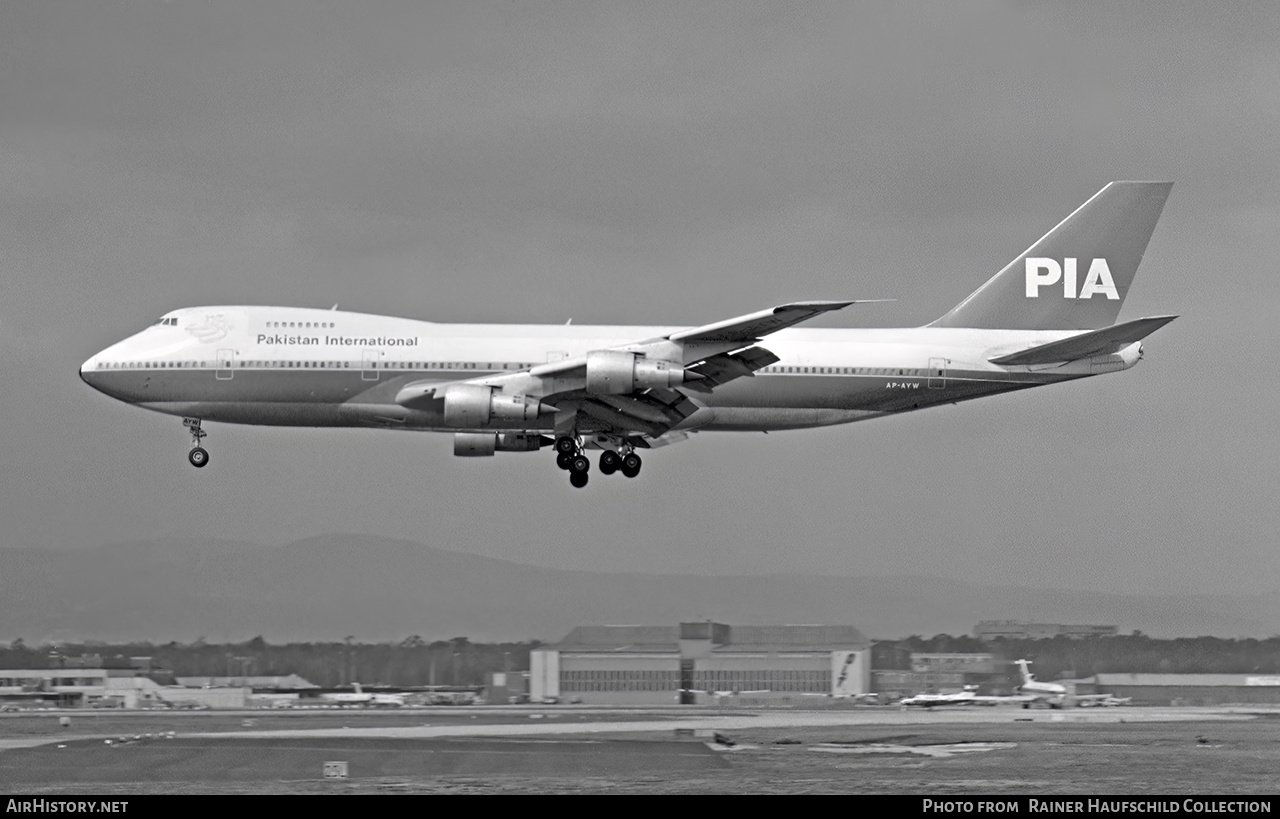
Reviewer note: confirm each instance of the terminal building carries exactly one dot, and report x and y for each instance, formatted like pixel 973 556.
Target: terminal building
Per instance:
pixel 702 663
pixel 106 688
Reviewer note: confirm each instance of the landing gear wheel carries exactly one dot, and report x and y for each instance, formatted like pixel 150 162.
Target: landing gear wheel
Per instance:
pixel 578 479
pixel 566 444
pixel 198 456
pixel 631 464
pixel 580 464
pixel 564 460
pixel 609 462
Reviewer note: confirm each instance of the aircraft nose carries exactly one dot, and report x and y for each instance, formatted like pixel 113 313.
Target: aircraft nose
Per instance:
pixel 91 375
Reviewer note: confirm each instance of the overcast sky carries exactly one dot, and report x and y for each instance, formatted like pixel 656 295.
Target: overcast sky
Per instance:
pixel 652 163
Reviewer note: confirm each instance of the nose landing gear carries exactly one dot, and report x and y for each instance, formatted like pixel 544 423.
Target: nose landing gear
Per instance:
pixel 198 456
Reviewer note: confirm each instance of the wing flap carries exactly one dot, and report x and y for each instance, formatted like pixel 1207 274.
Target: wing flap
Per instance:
pixel 719 369
pixel 1106 341
pixel 651 413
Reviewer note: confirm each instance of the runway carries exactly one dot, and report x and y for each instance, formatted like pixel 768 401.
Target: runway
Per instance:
pixel 547 723
pixel 564 749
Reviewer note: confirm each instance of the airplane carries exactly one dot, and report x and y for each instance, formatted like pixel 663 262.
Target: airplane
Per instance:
pixel 1100 700
pixel 968 696
pixel 932 700
pixel 1046 317
pixel 721 694
pixel 342 698
pixel 364 699
pixel 1053 694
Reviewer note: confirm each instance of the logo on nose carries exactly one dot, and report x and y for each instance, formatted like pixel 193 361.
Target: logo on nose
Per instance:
pixel 212 328
pixel 1042 272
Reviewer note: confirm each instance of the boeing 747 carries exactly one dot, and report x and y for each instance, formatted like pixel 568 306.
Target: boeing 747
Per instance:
pixel 1046 317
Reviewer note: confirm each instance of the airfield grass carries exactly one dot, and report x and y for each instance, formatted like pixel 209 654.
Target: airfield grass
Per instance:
pixel 1238 758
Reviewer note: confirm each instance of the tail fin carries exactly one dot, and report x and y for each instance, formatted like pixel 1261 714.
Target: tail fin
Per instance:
pixel 1026 675
pixel 1076 277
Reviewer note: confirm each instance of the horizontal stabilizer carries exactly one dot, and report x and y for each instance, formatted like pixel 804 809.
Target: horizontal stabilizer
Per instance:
pixel 1107 341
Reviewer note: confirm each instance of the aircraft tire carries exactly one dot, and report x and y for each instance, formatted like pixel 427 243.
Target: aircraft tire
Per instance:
pixel 199 457
pixel 580 464
pixel 566 445
pixel 631 465
pixel 578 479
pixel 609 462
pixel 564 460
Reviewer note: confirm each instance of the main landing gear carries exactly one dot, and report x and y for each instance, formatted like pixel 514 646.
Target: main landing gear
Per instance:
pixel 198 456
pixel 571 457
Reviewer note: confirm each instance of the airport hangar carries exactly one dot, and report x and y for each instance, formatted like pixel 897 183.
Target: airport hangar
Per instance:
pixel 702 662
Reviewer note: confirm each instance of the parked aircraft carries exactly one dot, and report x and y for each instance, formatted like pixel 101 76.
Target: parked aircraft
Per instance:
pixel 343 698
pixel 722 694
pixel 1100 700
pixel 1053 694
pixel 362 698
pixel 1046 317
pixel 969 696
pixel 933 700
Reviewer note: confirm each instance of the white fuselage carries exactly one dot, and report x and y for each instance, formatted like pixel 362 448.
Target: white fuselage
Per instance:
pixel 304 367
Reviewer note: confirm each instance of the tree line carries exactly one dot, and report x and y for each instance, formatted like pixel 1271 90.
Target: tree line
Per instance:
pixel 1063 657
pixel 458 661
pixel 410 662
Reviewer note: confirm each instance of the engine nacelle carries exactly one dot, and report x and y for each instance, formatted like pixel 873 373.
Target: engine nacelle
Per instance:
pixel 482 444
pixel 475 405
pixel 613 372
pixel 474 444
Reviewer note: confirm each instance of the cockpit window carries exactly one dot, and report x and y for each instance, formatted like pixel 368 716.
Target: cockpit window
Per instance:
pixel 167 322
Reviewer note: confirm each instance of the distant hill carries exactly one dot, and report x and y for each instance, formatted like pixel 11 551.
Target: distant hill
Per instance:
pixel 380 589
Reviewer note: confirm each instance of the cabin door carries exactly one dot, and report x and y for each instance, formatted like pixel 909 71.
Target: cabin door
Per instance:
pixel 937 373
pixel 226 364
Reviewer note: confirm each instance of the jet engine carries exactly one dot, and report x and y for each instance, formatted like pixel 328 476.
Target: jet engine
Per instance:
pixel 614 372
pixel 475 405
pixel 481 444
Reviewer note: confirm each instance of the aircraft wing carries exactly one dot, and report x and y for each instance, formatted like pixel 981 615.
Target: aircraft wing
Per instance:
pixel 728 335
pixel 712 355
pixel 1106 341
pixel 754 326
